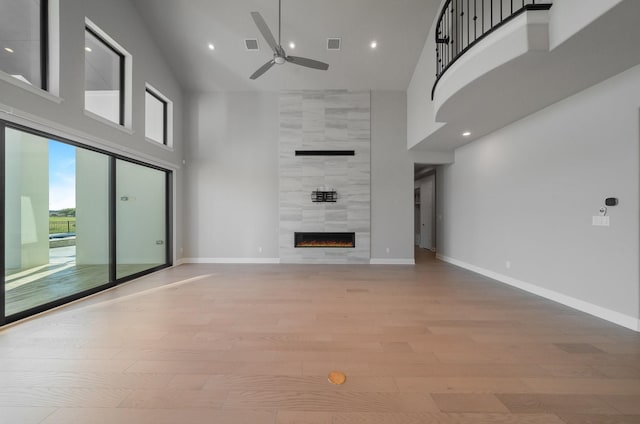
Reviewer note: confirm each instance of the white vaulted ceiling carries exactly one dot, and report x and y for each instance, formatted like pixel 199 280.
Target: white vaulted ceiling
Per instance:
pixel 184 28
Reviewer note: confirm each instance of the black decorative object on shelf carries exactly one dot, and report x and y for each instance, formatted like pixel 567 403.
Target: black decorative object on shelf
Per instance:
pixel 325 152
pixel 320 196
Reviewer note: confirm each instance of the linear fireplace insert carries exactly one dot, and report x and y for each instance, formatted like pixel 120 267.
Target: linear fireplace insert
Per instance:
pixel 325 240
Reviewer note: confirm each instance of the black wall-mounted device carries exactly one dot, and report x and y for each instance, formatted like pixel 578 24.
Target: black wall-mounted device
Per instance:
pixel 611 201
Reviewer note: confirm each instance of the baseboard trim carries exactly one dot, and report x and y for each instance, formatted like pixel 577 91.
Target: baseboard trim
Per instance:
pixel 589 308
pixel 178 262
pixel 384 261
pixel 231 260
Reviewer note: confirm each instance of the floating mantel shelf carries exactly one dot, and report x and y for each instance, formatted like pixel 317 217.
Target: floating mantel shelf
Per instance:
pixel 325 152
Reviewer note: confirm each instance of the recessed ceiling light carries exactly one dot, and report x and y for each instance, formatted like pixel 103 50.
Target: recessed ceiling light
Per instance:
pixel 374 44
pixel 292 45
pixel 211 46
pixel 466 134
pixel 8 49
pixel 88 49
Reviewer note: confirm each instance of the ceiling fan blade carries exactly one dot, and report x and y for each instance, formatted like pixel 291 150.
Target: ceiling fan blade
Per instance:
pixel 309 63
pixel 265 31
pixel 264 68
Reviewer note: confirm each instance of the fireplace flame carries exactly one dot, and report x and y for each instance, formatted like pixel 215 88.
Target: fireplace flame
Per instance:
pixel 324 243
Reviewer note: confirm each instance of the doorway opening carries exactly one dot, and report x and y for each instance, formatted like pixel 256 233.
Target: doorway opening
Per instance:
pixel 424 177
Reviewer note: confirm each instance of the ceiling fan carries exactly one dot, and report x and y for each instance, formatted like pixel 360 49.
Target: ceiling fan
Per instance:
pixel 279 55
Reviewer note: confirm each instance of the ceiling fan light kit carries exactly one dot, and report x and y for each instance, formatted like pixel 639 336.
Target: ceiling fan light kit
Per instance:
pixel 279 55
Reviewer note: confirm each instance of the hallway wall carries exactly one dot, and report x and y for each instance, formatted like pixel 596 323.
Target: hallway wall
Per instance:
pixel 517 205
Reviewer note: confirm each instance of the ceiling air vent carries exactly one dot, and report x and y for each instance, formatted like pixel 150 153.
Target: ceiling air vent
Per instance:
pixel 251 44
pixel 334 43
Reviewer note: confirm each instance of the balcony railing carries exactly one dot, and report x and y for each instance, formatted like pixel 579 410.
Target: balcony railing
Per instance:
pixel 462 23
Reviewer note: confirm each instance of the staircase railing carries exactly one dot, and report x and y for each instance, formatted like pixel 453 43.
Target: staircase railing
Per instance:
pixel 462 23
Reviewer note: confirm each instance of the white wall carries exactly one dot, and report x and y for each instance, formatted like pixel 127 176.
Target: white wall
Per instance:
pixel 65 115
pixel 232 176
pixel 420 120
pixel 392 201
pixel 526 194
pixel 571 16
pixel 392 178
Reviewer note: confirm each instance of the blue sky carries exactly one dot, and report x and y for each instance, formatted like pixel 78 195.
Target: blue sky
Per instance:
pixel 62 176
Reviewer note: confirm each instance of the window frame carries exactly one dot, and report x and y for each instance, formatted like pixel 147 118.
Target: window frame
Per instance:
pixel 44 55
pixel 91 29
pixel 44 44
pixel 165 115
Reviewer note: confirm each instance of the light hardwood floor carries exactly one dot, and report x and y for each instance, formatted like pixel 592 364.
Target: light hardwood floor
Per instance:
pixel 254 344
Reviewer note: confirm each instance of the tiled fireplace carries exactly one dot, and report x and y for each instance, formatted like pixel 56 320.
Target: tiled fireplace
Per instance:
pixel 325 156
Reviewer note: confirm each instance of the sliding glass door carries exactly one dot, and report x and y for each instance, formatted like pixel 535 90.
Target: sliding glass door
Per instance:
pixel 141 218
pixel 75 221
pixel 56 220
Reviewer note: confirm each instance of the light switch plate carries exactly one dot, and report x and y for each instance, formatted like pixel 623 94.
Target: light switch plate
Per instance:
pixel 600 221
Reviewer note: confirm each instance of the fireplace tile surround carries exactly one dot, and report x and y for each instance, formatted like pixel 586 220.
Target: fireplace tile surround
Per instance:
pixel 325 120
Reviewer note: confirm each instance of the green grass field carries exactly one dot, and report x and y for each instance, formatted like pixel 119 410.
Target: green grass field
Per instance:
pixel 62 224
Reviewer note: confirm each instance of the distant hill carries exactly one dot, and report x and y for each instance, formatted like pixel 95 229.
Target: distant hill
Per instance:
pixel 68 212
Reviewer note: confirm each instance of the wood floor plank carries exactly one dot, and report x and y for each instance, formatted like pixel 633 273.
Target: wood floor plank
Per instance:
pixel 25 415
pixel 537 403
pixel 429 343
pixel 456 402
pixel 296 417
pixel 157 416
pixel 584 386
pixel 461 385
pixel 625 404
pixel 599 419
pixel 322 401
pixel 88 380
pixel 300 384
pixel 61 397
pixel 442 418
pixel 174 399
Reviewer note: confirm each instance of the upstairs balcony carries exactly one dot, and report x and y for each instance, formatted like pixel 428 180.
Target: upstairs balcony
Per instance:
pixel 497 61
pixel 463 23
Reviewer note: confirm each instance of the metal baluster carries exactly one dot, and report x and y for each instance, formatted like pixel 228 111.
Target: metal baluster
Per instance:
pixel 468 13
pixel 457 22
pixel 482 17
pixel 448 35
pixel 461 37
pixel 454 49
pixel 475 20
pixel 452 24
